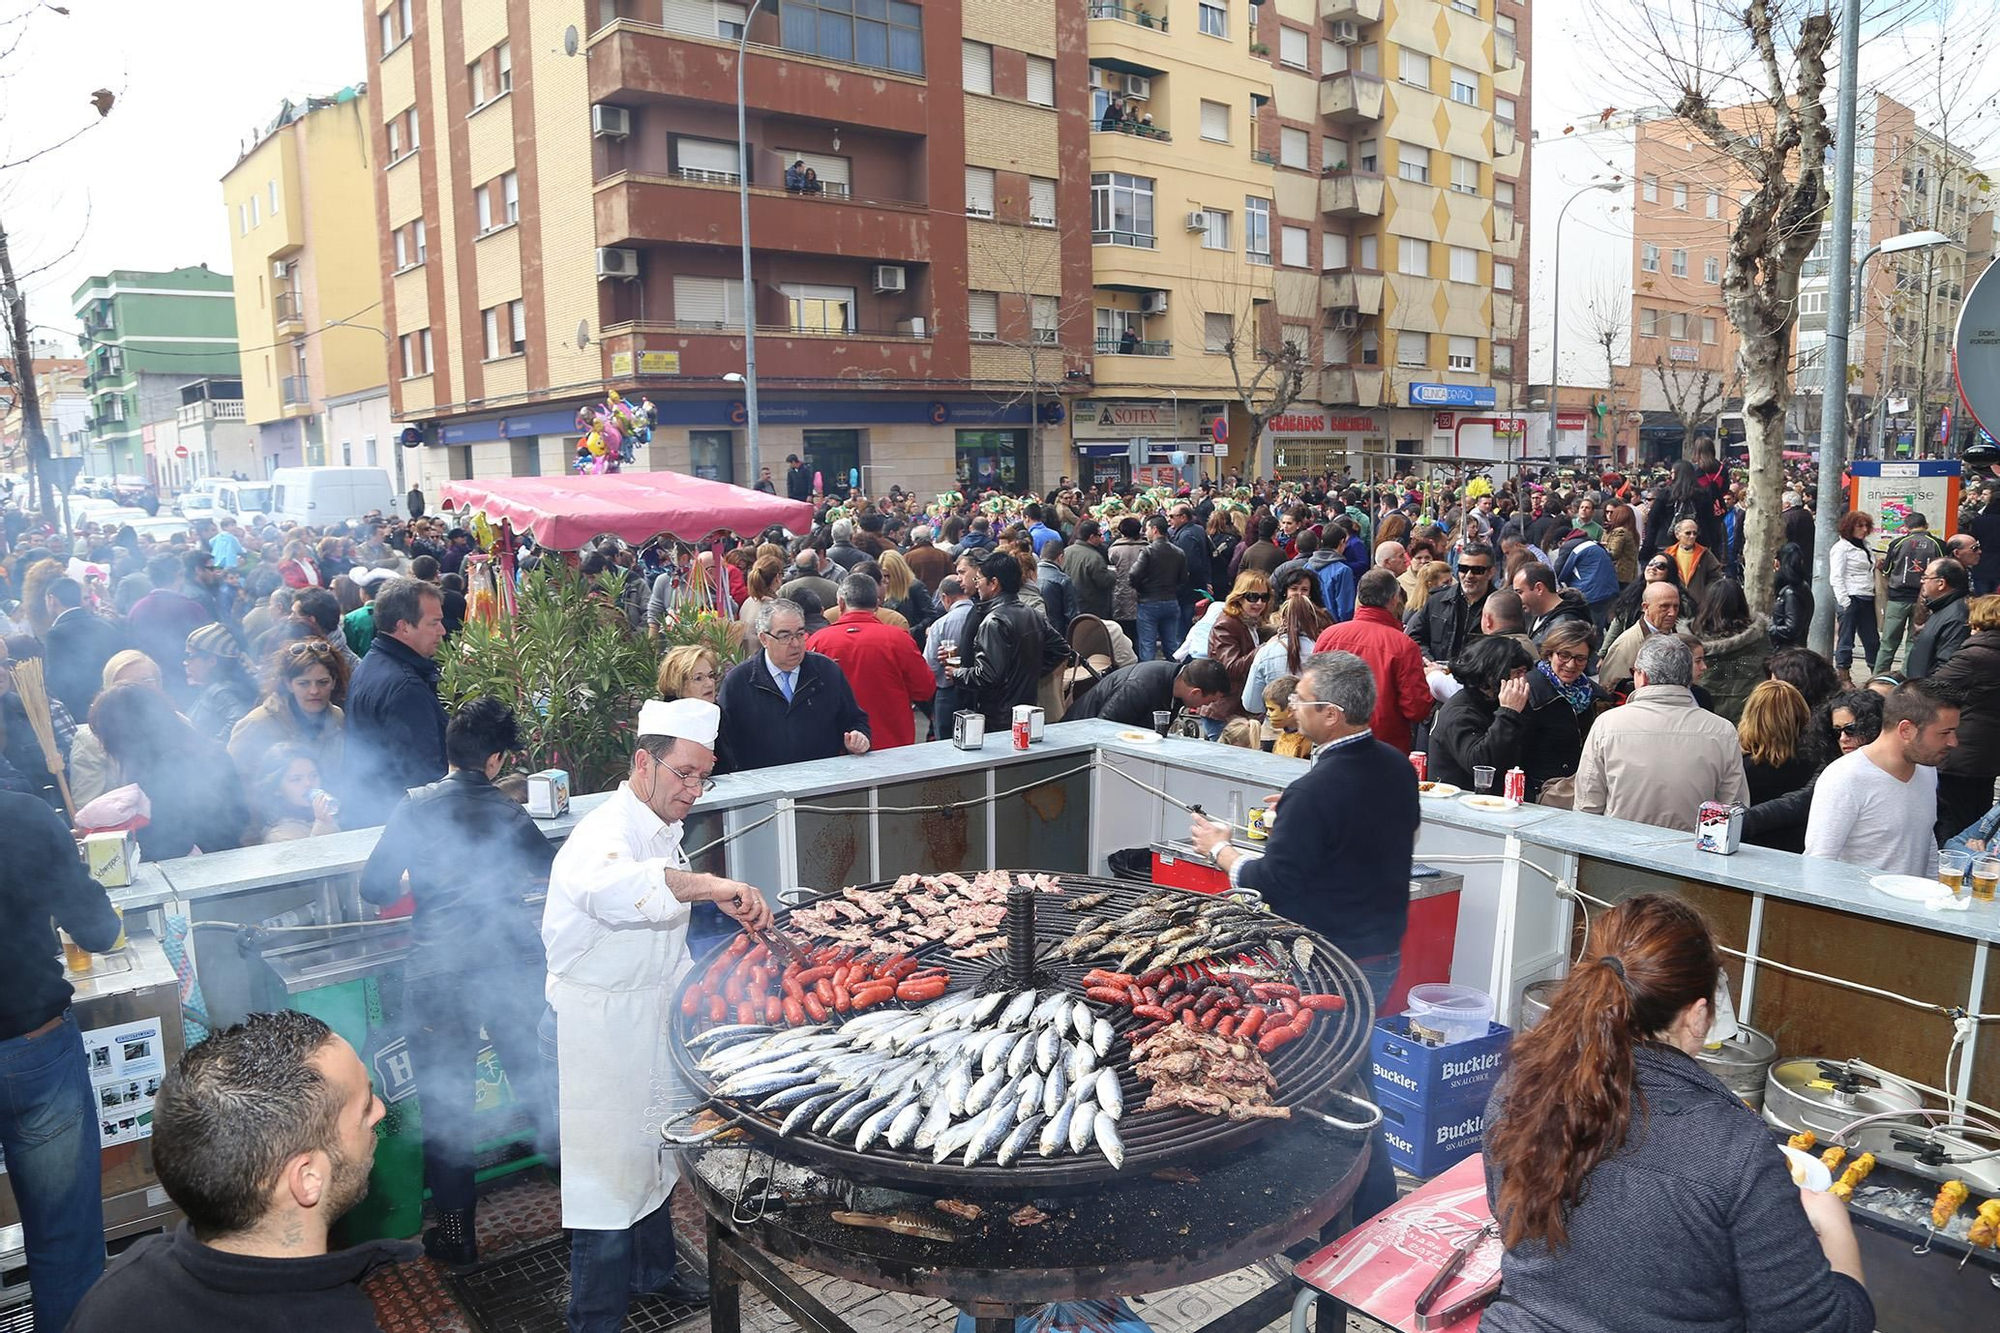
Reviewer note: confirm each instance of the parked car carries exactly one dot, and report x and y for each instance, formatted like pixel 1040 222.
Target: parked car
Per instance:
pixel 195 504
pixel 249 502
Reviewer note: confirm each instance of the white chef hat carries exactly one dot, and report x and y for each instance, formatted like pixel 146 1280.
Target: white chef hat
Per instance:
pixel 694 720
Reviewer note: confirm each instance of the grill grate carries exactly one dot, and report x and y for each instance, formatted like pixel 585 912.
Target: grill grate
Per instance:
pixel 1306 1069
pixel 527 1291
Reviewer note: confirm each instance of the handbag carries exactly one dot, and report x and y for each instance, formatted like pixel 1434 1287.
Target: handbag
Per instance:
pixel 1559 793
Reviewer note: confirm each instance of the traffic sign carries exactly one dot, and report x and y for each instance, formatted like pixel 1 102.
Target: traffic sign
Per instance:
pixel 180 451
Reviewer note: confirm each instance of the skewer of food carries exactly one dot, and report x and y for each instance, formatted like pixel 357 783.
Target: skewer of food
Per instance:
pixel 1949 1196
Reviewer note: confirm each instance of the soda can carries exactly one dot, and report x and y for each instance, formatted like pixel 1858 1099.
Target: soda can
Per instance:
pixel 1024 725
pixel 1718 828
pixel 1259 823
pixel 1421 762
pixel 1517 786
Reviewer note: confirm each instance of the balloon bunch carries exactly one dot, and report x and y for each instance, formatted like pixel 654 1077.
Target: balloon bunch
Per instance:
pixel 613 431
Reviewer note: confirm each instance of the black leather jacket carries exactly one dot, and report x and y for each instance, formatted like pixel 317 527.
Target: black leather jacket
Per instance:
pixel 472 854
pixel 1445 623
pixel 1011 649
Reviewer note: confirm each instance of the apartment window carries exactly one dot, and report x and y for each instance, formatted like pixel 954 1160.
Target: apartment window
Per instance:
pixel 1332 154
pixel 1464 264
pixel 405 22
pixel 1295 246
pixel 510 196
pixel 1677 326
pixel 1217 331
pixel 402 256
pixel 1334 347
pixel 1466 7
pixel 1371 347
pixel 982 316
pixel 1649 257
pixel 1121 209
pixel 1332 250
pixel 1041 81
pixel 1296 339
pixel 1711 269
pixel 475 82
pixel 1812 303
pixel 1462 353
pixel 715 302
pixel 1503 111
pixel 1215 121
pixel 1464 86
pixel 1715 203
pixel 1649 189
pixel 1369 258
pixel 272 197
pixel 1503 276
pixel 1293 48
pixel 1503 360
pixel 1413 256
pixel 1680 263
pixel 1293 148
pixel 1708 328
pixel 1215 229
pixel 1464 176
pixel 1368 156
pixel 817 309
pixel 1042 318
pixel 506 330
pixel 1649 322
pixel 1503 201
pixel 1413 349
pixel 867 33
pixel 979 192
pixel 253 210
pixel 416 351
pixel 503 61
pixel 387 18
pixel 976 63
pixel 1041 202
pixel 1413 163
pixel 1413 67
pixel 422 245
pixel 482 208
pixel 1503 41
pixel 243 219
pixel 395 128
pixel 730 19
pixel 1257 230
pixel 1213 18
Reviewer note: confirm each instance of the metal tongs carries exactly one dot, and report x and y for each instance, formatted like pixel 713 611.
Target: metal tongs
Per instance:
pixel 1478 1298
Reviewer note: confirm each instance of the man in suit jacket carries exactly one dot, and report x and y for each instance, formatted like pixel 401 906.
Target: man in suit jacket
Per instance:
pixel 79 645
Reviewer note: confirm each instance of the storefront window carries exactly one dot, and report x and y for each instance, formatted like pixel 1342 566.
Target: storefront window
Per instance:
pixel 712 454
pixel 836 456
pixel 993 458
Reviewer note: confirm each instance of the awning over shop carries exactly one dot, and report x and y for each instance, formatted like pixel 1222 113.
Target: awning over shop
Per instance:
pixel 563 513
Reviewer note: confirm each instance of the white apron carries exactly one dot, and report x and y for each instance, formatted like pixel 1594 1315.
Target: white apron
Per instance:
pixel 612 1014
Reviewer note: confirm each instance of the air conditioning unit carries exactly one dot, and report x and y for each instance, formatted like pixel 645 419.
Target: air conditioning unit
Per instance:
pixel 1139 86
pixel 281 269
pixel 616 262
pixel 1153 303
pixel 610 122
pixel 1345 31
pixel 888 277
pixel 1197 220
pixel 1345 319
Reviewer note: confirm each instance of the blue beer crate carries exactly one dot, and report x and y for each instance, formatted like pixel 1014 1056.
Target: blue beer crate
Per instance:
pixel 1425 1140
pixel 1433 1098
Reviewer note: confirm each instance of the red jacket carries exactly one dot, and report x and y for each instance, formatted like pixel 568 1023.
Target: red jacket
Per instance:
pixel 1402 695
pixel 885 671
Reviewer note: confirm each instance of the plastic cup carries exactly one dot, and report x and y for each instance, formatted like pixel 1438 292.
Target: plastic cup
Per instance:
pixel 1163 720
pixel 1482 778
pixel 1985 878
pixel 1952 867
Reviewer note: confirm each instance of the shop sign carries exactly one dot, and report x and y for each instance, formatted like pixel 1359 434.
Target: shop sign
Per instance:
pixel 1124 418
pixel 1683 354
pixel 1451 395
pixel 1510 427
pixel 1442 420
pixel 1572 421
pixel 1319 423
pixel 650 363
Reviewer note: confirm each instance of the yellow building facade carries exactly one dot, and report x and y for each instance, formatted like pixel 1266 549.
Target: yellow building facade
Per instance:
pixel 300 207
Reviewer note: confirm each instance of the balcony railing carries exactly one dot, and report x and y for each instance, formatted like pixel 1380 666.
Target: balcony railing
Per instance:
pixel 1142 347
pixel 286 308
pixel 1143 17
pixel 1141 240
pixel 295 391
pixel 1259 155
pixel 1136 129
pixel 734 328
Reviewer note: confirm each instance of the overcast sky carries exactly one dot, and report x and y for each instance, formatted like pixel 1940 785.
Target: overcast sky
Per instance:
pixel 197 79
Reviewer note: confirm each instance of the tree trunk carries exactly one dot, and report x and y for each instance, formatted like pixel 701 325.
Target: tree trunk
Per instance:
pixel 1764 424
pixel 34 437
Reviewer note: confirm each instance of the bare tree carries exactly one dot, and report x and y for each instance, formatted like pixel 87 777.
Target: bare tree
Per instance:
pixel 1694 394
pixel 1267 368
pixel 1047 338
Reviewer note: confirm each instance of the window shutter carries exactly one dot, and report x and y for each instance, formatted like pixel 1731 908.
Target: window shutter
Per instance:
pixel 705 300
pixel 706 155
pixel 1292 147
pixel 982 314
pixel 1042 80
pixel 1042 200
pixel 696 18
pixel 979 191
pixel 976 65
pixel 1215 121
pixel 1297 243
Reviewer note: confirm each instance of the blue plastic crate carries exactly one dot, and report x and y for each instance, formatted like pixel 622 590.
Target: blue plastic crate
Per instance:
pixel 1434 1076
pixel 1425 1140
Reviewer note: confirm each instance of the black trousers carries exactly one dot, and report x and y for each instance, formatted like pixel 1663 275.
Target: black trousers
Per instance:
pixel 446 1013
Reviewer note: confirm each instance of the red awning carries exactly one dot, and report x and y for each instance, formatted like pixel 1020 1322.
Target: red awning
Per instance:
pixel 564 513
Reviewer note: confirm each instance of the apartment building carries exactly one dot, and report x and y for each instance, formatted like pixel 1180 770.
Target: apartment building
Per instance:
pixel 1402 187
pixel 64 404
pixel 207 435
pixel 556 225
pixel 145 334
pixel 300 207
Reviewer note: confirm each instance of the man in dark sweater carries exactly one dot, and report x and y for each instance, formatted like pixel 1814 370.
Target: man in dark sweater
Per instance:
pixel 1132 694
pixel 54 1176
pixel 1338 858
pixel 260 1198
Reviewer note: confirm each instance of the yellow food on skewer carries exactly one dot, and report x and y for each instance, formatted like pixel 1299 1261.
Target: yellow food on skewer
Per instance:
pixel 1842 1191
pixel 1985 1225
pixel 1857 1171
pixel 1803 1141
pixel 1949 1196
pixel 1833 1157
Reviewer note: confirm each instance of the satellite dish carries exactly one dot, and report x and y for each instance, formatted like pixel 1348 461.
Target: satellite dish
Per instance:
pixel 569 40
pixel 582 333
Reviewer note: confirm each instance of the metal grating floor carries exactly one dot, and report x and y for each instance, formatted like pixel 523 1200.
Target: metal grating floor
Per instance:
pixel 526 1291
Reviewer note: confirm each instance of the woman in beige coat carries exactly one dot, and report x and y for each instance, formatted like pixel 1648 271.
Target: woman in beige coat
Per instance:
pixel 299 710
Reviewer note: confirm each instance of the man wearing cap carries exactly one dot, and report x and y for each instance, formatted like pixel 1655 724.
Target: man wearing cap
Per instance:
pixel 615 927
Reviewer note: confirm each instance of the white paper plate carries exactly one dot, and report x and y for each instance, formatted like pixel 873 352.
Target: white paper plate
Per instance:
pixel 1141 737
pixel 1817 1178
pixel 1910 888
pixel 1439 791
pixel 1494 804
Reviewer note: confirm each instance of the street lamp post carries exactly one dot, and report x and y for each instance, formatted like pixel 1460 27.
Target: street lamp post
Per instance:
pixel 1555 308
pixel 752 458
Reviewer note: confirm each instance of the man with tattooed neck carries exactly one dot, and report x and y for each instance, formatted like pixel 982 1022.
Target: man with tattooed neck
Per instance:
pixel 263 1135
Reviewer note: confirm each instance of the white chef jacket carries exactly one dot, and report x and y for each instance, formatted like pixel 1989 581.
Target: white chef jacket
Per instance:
pixel 617 947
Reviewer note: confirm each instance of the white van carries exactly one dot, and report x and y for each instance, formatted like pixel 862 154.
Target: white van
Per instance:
pixel 323 496
pixel 248 502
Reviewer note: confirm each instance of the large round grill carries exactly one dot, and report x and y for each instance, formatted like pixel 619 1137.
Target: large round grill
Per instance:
pixel 1306 1069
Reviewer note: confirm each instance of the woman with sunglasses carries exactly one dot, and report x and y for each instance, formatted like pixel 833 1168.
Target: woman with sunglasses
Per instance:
pixel 1658 568
pixel 1562 703
pixel 1241 629
pixel 299 710
pixel 1841 725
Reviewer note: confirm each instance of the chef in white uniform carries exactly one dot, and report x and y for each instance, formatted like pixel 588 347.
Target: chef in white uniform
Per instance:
pixel 615 928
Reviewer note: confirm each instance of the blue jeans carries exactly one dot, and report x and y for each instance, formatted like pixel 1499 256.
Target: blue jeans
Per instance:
pixel 48 1129
pixel 1377 1191
pixel 608 1268
pixel 1159 624
pixel 1857 621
